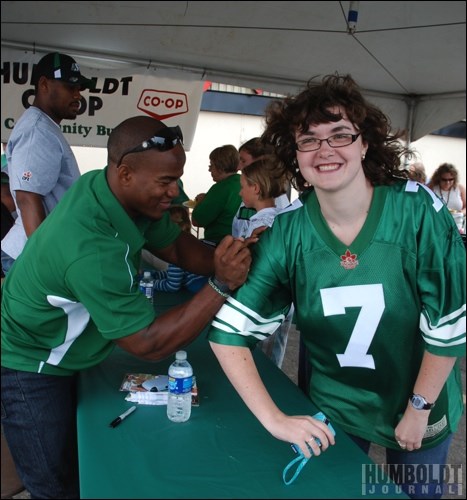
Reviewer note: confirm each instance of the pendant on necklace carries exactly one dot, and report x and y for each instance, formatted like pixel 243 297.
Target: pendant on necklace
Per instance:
pixel 349 260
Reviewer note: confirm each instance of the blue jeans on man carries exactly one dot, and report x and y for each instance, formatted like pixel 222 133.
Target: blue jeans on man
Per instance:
pixel 39 424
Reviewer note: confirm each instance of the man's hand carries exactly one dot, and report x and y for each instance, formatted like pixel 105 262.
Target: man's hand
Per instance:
pixel 232 260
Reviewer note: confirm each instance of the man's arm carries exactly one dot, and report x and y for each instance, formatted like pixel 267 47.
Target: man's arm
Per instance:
pixel 32 210
pixel 182 324
pixel 189 253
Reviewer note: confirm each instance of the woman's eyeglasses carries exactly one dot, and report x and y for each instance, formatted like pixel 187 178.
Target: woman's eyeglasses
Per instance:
pixel 335 141
pixel 165 140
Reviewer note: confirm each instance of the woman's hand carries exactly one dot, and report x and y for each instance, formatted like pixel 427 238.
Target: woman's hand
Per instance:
pixel 411 428
pixel 302 430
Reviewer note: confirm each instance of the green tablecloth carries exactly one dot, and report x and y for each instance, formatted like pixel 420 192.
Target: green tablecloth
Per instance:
pixel 221 452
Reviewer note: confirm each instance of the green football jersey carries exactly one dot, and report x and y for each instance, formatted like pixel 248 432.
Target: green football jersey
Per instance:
pixel 366 312
pixel 74 289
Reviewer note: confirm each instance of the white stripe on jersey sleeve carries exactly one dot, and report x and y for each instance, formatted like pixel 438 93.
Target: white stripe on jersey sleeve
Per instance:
pixel 449 331
pixel 234 317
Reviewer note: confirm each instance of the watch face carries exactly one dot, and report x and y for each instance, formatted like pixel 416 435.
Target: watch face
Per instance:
pixel 418 402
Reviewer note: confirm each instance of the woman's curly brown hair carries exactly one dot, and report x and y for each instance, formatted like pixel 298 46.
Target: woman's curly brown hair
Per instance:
pixel 444 168
pixel 312 106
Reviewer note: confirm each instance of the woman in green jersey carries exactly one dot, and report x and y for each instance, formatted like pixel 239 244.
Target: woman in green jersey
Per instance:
pixel 375 268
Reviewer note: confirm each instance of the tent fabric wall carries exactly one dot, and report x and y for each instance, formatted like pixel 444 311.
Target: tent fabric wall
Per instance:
pixel 409 57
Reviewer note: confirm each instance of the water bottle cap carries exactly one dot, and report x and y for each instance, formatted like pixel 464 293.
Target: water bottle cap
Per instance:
pixel 147 274
pixel 180 355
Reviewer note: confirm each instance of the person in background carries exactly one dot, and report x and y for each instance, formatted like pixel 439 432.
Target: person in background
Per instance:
pixel 417 172
pixel 41 164
pixel 358 254
pixel 66 311
pixel 175 278
pixel 7 198
pixel 8 203
pixel 262 183
pixel 445 183
pixel 250 151
pixel 215 210
pixel 254 150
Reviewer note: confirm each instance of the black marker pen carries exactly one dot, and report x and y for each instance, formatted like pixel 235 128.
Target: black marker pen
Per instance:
pixel 119 419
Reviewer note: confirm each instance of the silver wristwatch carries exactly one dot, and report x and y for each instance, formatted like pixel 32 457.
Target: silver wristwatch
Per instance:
pixel 420 403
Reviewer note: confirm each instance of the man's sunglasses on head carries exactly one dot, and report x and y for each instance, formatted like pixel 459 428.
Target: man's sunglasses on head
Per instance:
pixel 165 140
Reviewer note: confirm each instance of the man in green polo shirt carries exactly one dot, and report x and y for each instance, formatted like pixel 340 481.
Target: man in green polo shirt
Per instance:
pixel 73 294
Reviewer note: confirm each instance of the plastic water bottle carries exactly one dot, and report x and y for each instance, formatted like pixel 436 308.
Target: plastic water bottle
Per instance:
pixel 180 385
pixel 146 285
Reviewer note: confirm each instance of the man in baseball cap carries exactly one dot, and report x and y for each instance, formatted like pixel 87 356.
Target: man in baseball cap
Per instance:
pixel 41 163
pixel 61 67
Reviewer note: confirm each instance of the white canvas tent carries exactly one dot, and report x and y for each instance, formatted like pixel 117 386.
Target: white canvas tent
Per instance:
pixel 408 56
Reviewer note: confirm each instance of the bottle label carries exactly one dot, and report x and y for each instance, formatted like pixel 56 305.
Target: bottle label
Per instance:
pixel 180 385
pixel 146 290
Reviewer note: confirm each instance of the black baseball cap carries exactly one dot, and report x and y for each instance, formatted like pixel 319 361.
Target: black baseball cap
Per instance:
pixel 61 67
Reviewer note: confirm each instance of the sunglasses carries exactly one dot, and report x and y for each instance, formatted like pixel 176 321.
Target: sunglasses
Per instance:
pixel 165 140
pixel 447 180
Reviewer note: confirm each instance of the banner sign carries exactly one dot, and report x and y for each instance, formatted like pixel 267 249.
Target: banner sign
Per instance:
pixel 171 96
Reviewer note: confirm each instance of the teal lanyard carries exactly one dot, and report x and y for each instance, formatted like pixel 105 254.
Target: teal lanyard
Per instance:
pixel 301 460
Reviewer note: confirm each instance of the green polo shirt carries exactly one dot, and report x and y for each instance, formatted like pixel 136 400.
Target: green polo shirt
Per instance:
pixel 218 208
pixel 74 288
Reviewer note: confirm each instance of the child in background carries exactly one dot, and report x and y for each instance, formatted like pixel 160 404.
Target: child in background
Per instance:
pixel 262 183
pixel 176 278
pixel 249 152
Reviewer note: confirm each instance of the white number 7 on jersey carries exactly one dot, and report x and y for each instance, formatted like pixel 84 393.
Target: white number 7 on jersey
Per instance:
pixel 371 300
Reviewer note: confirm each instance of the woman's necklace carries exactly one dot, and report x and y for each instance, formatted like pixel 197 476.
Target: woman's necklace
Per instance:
pixel 445 200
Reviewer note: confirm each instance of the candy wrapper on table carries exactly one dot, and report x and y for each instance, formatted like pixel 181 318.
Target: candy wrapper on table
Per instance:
pixel 150 389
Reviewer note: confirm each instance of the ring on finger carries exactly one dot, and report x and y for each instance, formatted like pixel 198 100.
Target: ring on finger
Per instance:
pixel 311 439
pixel 402 445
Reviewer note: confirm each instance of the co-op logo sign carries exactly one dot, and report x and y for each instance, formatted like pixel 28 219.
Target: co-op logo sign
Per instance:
pixel 161 104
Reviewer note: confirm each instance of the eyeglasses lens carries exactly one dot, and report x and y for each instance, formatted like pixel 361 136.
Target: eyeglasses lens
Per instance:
pixel 166 140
